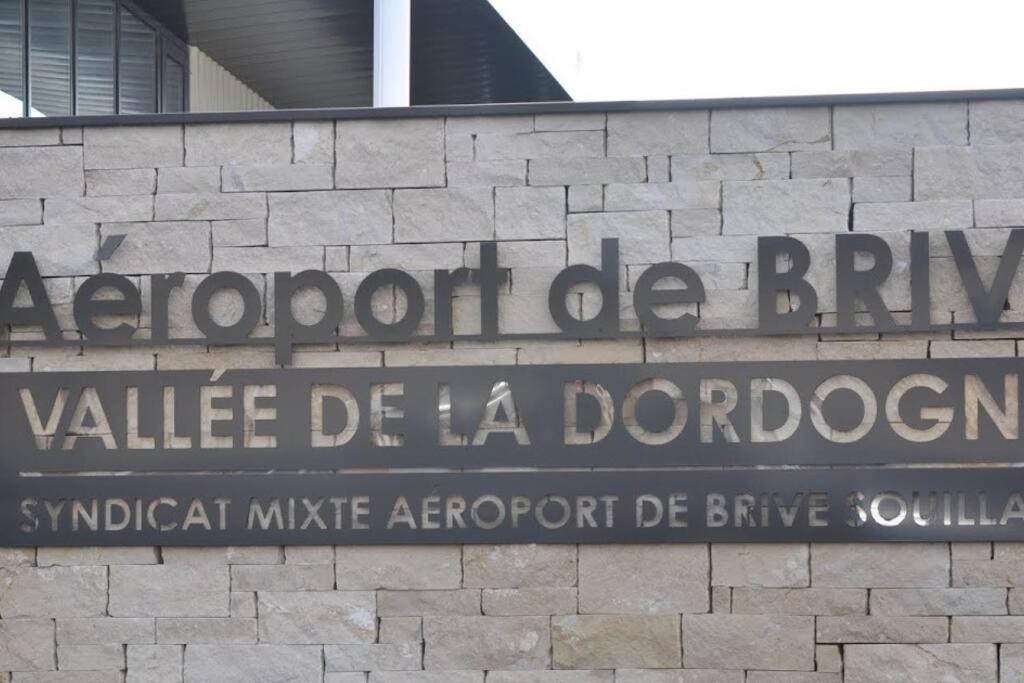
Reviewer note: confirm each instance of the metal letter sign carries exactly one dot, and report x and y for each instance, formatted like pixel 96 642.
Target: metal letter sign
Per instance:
pixel 766 451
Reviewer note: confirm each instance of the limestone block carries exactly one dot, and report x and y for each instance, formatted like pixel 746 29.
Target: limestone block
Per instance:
pixel 267 259
pixel 310 617
pixel 398 568
pixel 779 129
pixel 191 630
pixel 313 141
pixel 133 181
pixel 525 254
pixel 503 173
pixel 390 153
pixel 444 215
pixel 997 122
pixel 643 236
pixel 529 213
pixel 767 565
pixel 277 178
pixel 899 125
pixel 684 194
pixel 970 172
pixel 643 133
pixel 802 601
pixel 106 630
pixel 168 591
pixel 882 629
pixel 951 214
pixel 529 601
pixel 217 144
pixel 939 601
pixel 550 145
pixel 448 255
pixel 888 565
pixel 584 676
pixel 761 166
pixel 133 146
pixel 408 603
pixel 53 591
pixel 768 207
pixel 486 643
pixel 469 125
pixel 21 212
pixel 42 172
pixel 90 657
pixel 27 645
pixel 884 663
pixel 64 250
pixel 309 554
pixel 679 676
pixel 599 171
pixel 739 641
pixel 246 663
pixel 828 658
pixel 246 232
pixel 893 189
pixel 69 677
pixel 188 179
pixel 1011 663
pixel 849 163
pixel 987 630
pixel 399 629
pixel 243 604
pixel 207 207
pixel 17 557
pixel 664 579
pixel 65 211
pixel 96 555
pixel 519 566
pixel 615 641
pixel 161 247
pixel 595 121
pixel 658 169
pixel 345 217
pixel 154 664
pixel 585 198
pixel 792 677
pixel 426 677
pixel 373 657
pixel 29 137
pixel 290 577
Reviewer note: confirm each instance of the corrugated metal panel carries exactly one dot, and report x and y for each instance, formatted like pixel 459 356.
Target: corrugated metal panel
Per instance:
pixel 214 88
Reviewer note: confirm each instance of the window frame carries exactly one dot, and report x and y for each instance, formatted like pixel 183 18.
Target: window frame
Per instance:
pixel 167 47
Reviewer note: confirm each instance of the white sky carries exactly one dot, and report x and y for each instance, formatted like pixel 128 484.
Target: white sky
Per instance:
pixel 683 49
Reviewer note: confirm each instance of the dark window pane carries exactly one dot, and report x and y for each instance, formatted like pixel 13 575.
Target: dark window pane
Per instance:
pixel 49 38
pixel 137 86
pixel 94 45
pixel 174 86
pixel 12 56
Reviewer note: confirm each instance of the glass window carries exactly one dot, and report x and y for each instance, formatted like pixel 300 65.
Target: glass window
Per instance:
pixel 137 62
pixel 12 59
pixel 174 85
pixel 49 39
pixel 94 56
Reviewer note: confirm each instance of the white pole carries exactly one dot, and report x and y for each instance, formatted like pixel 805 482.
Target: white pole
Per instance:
pixel 391 36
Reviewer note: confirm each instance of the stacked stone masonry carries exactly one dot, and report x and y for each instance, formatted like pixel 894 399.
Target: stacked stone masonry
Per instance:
pixel 353 196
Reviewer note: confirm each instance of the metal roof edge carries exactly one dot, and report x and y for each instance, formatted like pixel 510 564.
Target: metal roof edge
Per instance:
pixel 514 108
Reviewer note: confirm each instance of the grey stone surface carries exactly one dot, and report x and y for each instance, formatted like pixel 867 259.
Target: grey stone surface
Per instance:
pixel 374 657
pixel 882 629
pixel 133 181
pixel 339 217
pixel 938 601
pixel 133 147
pixel 587 171
pixel 160 247
pixel 106 630
pixel 529 601
pixel 42 172
pixel 279 177
pixel 405 603
pixel 899 125
pixel 643 133
pixel 166 591
pixel 444 215
pixel 891 663
pixel 529 213
pixel 21 212
pixel 737 641
pixel 64 250
pixel 892 565
pixel 246 663
pixel 987 629
pixel 486 643
pixel 799 601
pixel 205 630
pixel 548 145
pixel 771 565
pixel 399 153
pixel 643 236
pixel 518 566
pixel 53 591
pixel 27 645
pixel 686 194
pixel 212 144
pixel 766 207
pixel 665 579
pixel 205 207
pixel 154 664
pixel 373 567
pixel 968 172
pixel 293 577
pixel 309 617
pixel 951 214
pixel 770 130
pixel 615 641
pixel 997 122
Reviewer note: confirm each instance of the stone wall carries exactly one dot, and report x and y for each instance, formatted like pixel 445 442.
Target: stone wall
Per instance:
pixel 353 196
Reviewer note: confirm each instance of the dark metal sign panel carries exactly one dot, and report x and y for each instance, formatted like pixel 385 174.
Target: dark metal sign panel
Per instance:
pixel 769 451
pixel 516 507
